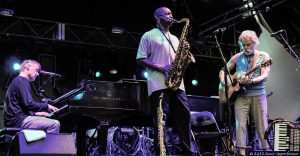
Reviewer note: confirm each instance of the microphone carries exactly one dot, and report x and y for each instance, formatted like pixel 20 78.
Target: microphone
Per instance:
pixel 277 32
pixel 214 33
pixel 49 73
pixel 219 30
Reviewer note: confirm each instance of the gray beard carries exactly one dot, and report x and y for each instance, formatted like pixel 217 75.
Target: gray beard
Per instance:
pixel 248 53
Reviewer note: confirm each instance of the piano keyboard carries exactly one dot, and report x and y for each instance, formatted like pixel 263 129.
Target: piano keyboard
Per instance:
pixel 286 137
pixel 63 108
pixel 61 102
pixel 68 95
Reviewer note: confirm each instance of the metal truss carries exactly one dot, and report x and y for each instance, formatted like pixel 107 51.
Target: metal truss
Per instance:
pixel 23 27
pixel 209 52
pixel 236 15
pixel 226 20
pixel 15 26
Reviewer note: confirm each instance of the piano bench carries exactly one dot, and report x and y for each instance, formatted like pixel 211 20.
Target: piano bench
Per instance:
pixel 6 138
pixel 8 132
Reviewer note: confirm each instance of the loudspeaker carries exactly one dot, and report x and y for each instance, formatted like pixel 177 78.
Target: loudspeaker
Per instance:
pixel 53 144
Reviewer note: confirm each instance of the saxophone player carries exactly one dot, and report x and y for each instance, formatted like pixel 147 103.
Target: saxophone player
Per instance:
pixel 156 52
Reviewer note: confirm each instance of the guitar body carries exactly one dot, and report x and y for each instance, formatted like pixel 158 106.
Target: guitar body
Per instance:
pixel 232 88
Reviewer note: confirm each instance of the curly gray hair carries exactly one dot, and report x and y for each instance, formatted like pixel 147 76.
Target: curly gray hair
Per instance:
pixel 251 34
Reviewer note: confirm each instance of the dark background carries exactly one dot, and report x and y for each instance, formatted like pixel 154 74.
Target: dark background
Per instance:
pixel 75 61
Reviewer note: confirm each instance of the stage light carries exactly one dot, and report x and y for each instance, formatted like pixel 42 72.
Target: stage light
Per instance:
pixel 113 71
pixel 98 74
pixel 146 74
pixel 16 66
pixel 6 12
pixel 195 82
pixel 117 30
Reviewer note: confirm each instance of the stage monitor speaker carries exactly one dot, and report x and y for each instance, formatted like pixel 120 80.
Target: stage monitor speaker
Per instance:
pixel 52 145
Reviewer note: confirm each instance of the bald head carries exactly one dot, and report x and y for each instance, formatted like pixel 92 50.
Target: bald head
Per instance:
pixel 163 18
pixel 160 11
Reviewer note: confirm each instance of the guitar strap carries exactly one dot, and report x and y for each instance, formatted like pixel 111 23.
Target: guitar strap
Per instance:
pixel 254 62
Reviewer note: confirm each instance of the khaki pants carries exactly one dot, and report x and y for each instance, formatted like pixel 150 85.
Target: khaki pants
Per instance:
pixel 259 110
pixel 41 123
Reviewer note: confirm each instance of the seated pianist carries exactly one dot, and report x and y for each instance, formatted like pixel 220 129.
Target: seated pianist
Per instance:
pixel 20 110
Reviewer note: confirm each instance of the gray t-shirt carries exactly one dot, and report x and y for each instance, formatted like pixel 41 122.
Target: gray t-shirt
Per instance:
pixel 156 48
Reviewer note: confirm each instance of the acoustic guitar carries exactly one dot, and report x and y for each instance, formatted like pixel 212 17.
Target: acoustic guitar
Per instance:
pixel 234 87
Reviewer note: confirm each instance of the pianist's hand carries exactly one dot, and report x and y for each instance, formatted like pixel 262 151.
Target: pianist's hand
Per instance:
pixel 52 108
pixel 41 113
pixel 47 100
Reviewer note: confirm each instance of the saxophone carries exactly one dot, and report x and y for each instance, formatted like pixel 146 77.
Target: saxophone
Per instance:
pixel 182 59
pixel 160 126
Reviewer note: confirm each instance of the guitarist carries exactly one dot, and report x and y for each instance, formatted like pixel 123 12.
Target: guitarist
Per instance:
pixel 253 97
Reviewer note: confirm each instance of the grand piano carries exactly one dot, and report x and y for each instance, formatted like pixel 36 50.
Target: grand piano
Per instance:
pixel 101 104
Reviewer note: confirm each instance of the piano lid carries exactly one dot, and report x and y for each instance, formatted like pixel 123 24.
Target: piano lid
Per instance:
pixel 68 95
pixel 109 95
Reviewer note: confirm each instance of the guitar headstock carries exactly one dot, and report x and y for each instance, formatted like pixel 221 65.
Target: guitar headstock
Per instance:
pixel 268 63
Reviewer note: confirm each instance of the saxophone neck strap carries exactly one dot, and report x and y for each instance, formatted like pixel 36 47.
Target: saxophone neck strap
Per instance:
pixel 168 39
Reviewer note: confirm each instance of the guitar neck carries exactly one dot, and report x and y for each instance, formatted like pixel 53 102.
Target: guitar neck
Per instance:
pixel 252 70
pixel 269 62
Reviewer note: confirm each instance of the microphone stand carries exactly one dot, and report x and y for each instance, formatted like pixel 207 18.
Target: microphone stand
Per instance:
pixel 291 50
pixel 37 92
pixel 41 91
pixel 226 72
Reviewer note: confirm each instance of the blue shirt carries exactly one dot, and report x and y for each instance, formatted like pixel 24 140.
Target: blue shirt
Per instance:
pixel 244 64
pixel 19 102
